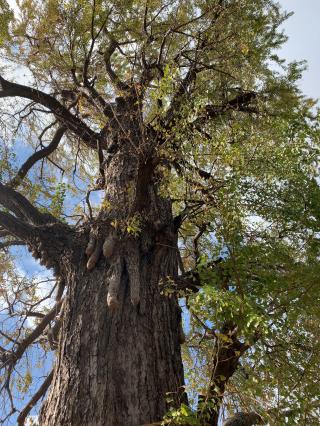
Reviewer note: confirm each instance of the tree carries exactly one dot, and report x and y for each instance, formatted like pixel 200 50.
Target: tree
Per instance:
pixel 206 159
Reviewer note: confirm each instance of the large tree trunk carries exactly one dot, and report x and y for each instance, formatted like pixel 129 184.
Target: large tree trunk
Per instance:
pixel 116 367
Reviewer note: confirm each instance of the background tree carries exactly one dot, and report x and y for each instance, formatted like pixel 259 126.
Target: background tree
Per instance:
pixel 206 159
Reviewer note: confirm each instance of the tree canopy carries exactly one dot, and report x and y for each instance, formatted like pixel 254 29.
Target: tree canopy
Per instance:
pixel 235 147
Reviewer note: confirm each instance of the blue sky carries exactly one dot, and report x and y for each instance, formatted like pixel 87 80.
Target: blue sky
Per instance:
pixel 303 30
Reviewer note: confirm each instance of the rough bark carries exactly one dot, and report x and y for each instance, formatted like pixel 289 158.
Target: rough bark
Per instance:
pixel 115 368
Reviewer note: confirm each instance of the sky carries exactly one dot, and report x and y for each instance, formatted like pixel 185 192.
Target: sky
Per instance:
pixel 303 30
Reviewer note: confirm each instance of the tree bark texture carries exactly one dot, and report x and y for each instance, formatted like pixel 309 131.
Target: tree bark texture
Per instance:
pixel 115 367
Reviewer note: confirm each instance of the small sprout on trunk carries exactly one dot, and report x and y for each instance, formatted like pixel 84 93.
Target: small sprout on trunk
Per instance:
pixel 109 246
pixel 93 259
pixel 90 246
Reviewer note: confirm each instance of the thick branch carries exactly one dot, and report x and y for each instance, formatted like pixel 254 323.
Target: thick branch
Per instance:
pixel 190 281
pixel 63 115
pixel 243 419
pixel 39 394
pixel 179 95
pixel 111 73
pixel 96 99
pixel 227 354
pixel 16 227
pixel 21 207
pixel 239 103
pixel 45 152
pixel 6 244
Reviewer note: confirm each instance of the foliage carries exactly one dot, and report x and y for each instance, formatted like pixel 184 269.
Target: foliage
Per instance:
pixel 6 16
